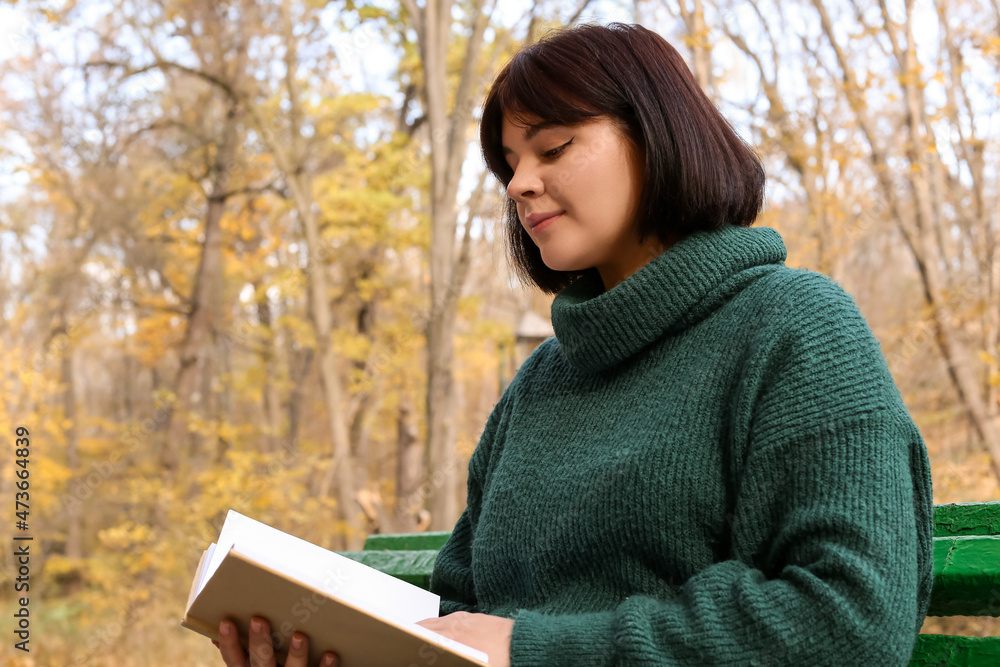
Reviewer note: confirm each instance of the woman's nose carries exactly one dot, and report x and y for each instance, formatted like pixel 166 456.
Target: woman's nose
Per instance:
pixel 525 182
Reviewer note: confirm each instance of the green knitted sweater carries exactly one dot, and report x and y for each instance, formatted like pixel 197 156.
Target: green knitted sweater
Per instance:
pixel 709 464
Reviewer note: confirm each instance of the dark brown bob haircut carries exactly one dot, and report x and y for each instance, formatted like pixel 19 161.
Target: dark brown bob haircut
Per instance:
pixel 699 173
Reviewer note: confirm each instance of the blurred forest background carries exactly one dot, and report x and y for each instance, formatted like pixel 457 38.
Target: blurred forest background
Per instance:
pixel 249 259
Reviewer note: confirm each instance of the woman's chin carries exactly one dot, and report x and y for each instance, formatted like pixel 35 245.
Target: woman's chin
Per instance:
pixel 566 266
pixel 565 263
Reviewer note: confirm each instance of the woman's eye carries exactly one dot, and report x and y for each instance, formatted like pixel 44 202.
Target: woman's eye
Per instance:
pixel 556 151
pixel 552 153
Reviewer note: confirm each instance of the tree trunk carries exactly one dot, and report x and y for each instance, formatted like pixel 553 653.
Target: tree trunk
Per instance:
pixel 448 148
pixel 919 235
pixel 197 344
pixel 927 224
pixel 340 468
pixel 969 149
pixel 409 468
pixel 299 364
pixel 366 401
pixel 697 40
pixel 271 418
pixel 74 515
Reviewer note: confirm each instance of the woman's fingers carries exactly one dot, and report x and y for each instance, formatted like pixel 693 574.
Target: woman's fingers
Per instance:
pixel 298 652
pixel 261 650
pixel 229 645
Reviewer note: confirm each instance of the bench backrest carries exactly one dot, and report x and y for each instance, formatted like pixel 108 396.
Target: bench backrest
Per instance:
pixel 966 576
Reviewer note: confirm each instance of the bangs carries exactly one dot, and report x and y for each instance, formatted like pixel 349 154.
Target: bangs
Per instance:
pixel 532 89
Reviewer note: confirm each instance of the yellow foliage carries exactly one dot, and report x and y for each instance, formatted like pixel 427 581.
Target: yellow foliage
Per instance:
pixel 291 283
pixel 351 346
pixel 124 536
pixel 101 423
pixel 469 306
pixel 140 561
pixel 301 330
pixel 228 431
pixel 96 446
pixel 54 430
pixel 57 565
pixel 155 334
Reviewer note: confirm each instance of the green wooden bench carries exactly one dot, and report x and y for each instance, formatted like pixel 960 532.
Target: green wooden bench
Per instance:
pixel 966 577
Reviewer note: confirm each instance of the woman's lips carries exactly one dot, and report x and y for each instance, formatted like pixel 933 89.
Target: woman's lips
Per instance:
pixel 541 226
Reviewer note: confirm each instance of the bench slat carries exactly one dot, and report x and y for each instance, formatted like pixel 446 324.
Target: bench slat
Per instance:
pixel 966 576
pixel 955 651
pixel 408 541
pixel 954 519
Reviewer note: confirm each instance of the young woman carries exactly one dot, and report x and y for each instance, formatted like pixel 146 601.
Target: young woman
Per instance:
pixel 710 463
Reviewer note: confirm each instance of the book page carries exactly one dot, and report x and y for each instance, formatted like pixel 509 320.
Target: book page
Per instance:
pixel 209 553
pixel 323 570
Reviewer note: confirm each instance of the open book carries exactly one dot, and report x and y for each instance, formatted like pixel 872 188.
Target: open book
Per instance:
pixel 365 616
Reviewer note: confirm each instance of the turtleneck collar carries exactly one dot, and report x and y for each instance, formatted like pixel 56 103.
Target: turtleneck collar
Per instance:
pixel 597 330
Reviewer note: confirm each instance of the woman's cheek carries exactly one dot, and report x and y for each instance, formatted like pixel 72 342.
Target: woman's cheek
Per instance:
pixel 579 159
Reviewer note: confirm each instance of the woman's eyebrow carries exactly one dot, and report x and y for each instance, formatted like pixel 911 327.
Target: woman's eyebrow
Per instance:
pixel 533 130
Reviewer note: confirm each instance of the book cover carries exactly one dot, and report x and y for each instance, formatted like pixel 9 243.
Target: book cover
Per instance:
pixel 365 616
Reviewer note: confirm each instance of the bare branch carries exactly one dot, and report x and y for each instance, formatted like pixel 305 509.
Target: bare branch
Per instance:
pixel 462 112
pixel 167 64
pixel 462 265
pixel 418 17
pixel 269 187
pixel 579 12
pixel 770 36
pixel 162 307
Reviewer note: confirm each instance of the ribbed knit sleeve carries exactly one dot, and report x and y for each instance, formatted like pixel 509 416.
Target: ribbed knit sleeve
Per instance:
pixel 452 575
pixel 831 527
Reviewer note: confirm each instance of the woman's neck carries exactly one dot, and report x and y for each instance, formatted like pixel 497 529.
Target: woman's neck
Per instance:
pixel 613 274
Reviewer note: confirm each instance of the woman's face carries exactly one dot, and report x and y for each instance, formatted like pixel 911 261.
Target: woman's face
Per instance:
pixel 585 174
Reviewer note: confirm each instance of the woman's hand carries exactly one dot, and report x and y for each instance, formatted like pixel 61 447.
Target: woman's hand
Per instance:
pixel 261 651
pixel 489 634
